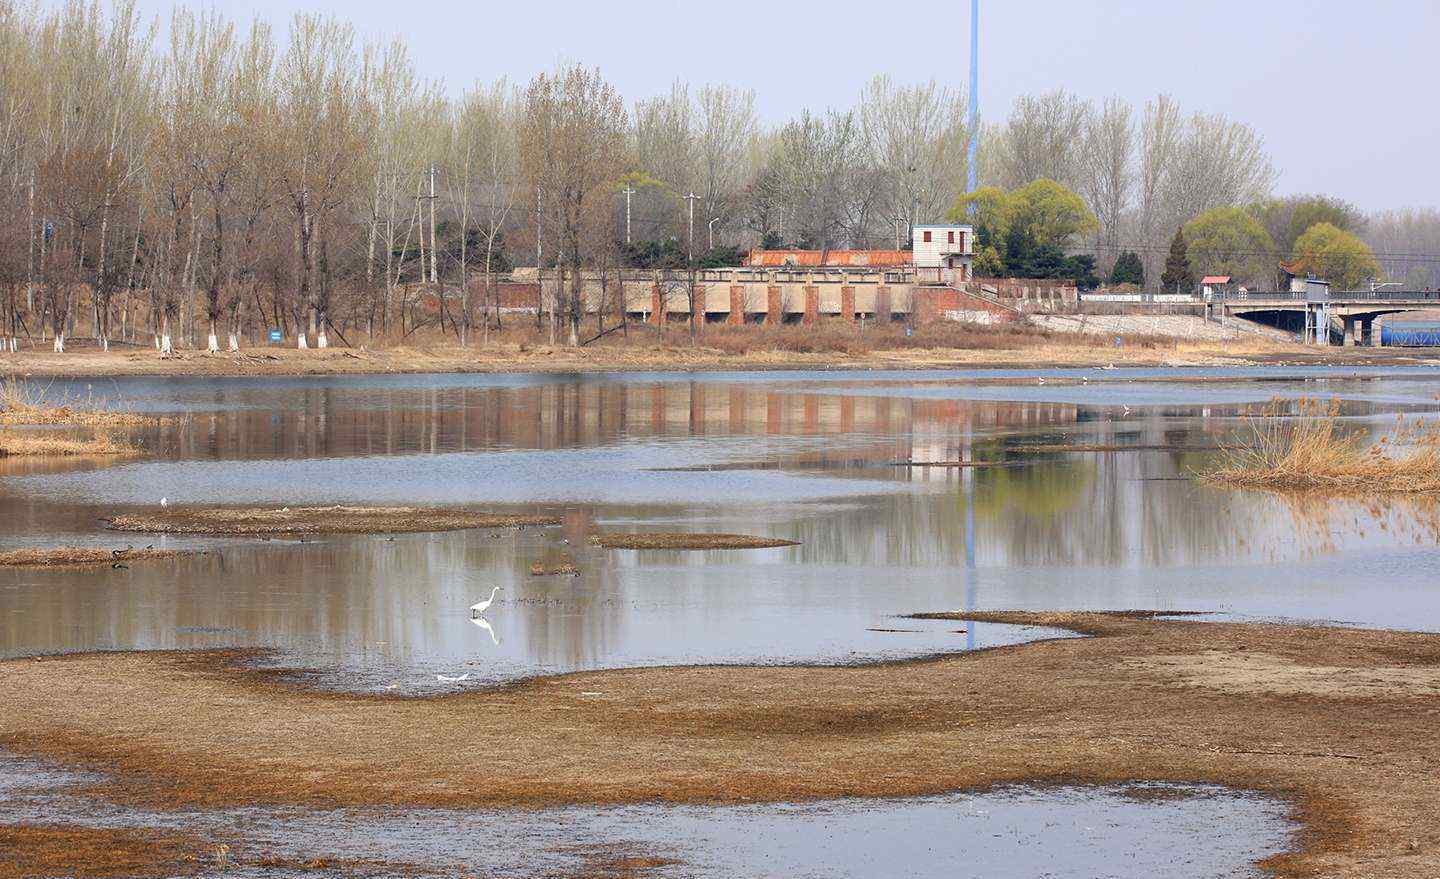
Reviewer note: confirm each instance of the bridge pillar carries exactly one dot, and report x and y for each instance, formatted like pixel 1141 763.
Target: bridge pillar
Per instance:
pixel 1349 324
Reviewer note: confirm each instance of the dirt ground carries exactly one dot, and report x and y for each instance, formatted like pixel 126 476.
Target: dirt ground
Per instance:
pixel 1342 723
pixel 1062 352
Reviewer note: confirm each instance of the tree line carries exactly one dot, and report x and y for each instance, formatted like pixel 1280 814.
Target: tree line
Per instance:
pixel 229 178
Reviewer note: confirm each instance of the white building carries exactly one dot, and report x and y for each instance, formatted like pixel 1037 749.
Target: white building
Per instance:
pixel 945 247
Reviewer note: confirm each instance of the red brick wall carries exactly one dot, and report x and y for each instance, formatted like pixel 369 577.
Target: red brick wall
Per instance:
pixel 883 304
pixel 931 304
pixel 812 305
pixel 772 301
pixel 737 304
pixel 847 303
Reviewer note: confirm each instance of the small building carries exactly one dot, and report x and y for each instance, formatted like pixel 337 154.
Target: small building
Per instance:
pixel 1210 285
pixel 945 247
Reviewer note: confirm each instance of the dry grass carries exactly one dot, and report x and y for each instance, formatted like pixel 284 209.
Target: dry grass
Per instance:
pixel 320 520
pixel 681 540
pixel 30 850
pixel 1316 451
pixel 23 402
pixel 829 343
pixel 211 730
pixel 40 445
pixel 79 557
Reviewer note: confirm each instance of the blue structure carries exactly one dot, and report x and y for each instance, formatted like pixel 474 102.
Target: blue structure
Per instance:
pixel 974 93
pixel 1412 334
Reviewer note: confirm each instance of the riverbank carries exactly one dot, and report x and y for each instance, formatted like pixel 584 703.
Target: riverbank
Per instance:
pixel 1339 722
pixel 1059 352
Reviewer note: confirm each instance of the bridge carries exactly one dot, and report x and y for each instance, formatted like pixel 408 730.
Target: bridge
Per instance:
pixel 1353 313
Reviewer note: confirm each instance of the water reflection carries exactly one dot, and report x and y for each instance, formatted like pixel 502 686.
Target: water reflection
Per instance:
pixel 806 458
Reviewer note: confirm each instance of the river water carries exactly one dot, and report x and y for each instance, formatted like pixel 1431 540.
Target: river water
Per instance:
pixel 809 457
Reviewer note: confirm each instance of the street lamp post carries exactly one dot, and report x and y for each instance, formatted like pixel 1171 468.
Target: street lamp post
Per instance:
pixel 710 230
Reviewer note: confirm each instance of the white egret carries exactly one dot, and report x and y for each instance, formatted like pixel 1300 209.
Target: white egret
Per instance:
pixel 164 502
pixel 481 607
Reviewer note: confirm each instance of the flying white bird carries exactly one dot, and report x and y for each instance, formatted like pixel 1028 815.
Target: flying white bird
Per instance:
pixel 444 680
pixel 481 607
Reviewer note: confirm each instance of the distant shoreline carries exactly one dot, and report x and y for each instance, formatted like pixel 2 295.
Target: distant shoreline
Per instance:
pixel 360 361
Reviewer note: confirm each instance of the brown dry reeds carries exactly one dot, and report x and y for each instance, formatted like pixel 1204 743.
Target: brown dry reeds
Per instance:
pixel 23 402
pixel 682 540
pixel 33 445
pixel 1316 451
pixel 81 557
pixel 321 520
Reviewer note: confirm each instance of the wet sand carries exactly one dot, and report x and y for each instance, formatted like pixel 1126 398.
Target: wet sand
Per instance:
pixel 1339 722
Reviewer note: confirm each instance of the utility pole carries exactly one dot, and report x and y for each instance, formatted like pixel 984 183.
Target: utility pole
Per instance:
pixel 974 95
pixel 629 191
pixel 691 244
pixel 434 254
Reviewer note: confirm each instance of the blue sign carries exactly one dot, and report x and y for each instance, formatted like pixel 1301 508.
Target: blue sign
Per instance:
pixel 276 336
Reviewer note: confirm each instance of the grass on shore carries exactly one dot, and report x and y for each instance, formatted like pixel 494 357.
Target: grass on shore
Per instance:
pixel 1316 451
pixel 23 402
pixel 20 445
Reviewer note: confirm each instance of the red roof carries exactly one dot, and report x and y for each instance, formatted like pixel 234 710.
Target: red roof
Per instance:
pixel 1215 279
pixel 779 258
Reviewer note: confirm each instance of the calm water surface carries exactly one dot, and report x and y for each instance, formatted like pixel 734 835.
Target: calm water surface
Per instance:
pixel 804 456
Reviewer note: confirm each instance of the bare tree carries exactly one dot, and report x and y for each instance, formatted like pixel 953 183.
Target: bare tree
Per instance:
pixel 572 148
pixel 1043 139
pixel 916 139
pixel 324 130
pixel 482 162
pixel 725 127
pixel 1108 175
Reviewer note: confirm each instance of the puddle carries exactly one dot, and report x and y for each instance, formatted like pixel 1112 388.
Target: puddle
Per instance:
pixel 1140 831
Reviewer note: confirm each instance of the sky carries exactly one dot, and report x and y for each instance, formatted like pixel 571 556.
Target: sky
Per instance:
pixel 1342 92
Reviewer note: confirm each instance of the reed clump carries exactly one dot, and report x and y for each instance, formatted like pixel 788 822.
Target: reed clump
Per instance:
pixel 29 445
pixel 23 402
pixel 1315 450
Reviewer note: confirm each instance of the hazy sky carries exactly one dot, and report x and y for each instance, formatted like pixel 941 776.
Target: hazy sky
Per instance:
pixel 1343 92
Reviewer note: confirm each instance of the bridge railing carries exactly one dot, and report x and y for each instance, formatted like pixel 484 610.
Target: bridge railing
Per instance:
pixel 1335 296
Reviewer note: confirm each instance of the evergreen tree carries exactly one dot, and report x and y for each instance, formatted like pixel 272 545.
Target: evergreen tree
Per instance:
pixel 1177 275
pixel 1128 270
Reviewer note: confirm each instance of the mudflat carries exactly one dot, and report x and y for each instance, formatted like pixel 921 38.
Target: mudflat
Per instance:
pixel 1339 722
pixel 320 520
